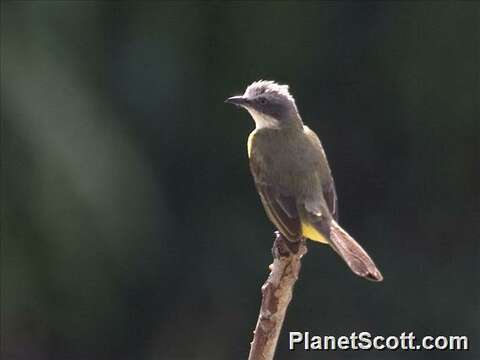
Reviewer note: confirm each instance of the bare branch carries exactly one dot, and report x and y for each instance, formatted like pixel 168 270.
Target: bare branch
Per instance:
pixel 276 295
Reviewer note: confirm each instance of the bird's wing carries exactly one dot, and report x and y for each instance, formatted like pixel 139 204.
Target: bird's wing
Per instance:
pixel 330 196
pixel 281 208
pixel 328 185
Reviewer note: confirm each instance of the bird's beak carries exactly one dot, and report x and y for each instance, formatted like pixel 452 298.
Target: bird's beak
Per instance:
pixel 237 100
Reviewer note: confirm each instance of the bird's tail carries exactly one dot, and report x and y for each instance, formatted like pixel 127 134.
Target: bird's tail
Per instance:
pixel 356 258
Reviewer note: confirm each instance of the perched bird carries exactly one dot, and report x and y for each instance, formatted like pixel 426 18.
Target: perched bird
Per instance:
pixel 292 175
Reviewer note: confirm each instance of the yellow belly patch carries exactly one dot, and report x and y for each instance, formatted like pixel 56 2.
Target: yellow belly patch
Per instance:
pixel 311 233
pixel 250 141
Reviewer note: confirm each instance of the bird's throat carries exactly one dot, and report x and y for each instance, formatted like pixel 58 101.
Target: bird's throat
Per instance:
pixel 263 120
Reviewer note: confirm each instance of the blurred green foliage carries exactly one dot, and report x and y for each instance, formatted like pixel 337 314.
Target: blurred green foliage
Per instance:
pixel 130 225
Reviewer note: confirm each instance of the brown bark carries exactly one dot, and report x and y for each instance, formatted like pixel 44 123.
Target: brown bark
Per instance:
pixel 276 295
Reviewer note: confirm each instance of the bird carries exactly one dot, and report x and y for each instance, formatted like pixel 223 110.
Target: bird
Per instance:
pixel 292 175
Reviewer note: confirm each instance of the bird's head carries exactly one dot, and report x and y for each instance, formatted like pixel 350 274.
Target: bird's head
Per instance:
pixel 269 104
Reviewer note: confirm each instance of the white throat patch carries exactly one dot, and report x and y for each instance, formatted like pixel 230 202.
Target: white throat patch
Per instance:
pixel 262 120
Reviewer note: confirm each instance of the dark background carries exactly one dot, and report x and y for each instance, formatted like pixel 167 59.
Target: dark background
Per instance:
pixel 130 224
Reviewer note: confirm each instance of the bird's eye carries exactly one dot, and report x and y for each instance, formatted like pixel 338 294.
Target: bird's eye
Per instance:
pixel 263 101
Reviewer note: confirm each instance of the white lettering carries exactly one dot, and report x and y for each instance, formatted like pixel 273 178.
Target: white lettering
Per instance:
pixel 295 338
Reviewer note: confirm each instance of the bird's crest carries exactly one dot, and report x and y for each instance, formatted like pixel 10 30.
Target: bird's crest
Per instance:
pixel 265 87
